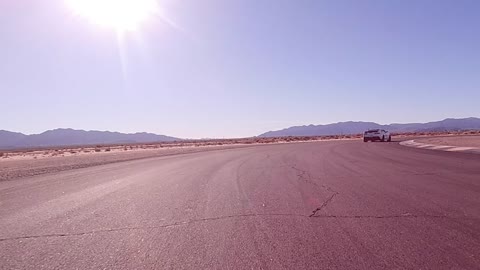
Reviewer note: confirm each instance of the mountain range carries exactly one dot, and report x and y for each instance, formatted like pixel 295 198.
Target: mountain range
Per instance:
pixel 351 127
pixel 64 137
pixel 67 137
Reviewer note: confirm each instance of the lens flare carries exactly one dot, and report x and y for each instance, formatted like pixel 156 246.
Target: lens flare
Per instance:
pixel 121 15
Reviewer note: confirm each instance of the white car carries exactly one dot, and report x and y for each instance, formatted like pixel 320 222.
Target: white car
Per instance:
pixel 377 135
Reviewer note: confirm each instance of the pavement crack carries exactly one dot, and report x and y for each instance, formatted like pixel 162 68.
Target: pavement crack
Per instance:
pixel 304 175
pixel 325 203
pixel 380 216
pixel 187 222
pixel 85 233
pixel 174 224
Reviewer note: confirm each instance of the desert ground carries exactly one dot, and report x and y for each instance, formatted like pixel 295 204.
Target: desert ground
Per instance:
pixel 29 162
pixel 463 141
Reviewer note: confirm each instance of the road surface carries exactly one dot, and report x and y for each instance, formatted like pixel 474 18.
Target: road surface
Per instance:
pixel 322 205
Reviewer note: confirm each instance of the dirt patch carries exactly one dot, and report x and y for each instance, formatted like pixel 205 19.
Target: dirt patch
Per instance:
pixel 463 141
pixel 30 164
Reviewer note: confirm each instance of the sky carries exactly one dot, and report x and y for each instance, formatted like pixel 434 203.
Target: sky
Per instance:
pixel 238 68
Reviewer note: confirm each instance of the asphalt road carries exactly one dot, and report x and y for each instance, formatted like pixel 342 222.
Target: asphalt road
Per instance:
pixel 323 205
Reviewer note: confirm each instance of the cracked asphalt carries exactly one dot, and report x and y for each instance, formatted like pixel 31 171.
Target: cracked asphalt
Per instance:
pixel 321 205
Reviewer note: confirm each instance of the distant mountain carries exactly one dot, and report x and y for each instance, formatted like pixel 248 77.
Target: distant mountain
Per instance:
pixel 10 138
pixel 359 127
pixel 63 137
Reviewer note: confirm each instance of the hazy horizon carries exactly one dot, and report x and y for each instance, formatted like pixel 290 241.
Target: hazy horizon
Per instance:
pixel 286 127
pixel 218 69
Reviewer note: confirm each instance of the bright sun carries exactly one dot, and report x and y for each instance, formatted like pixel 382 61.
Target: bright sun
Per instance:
pixel 121 15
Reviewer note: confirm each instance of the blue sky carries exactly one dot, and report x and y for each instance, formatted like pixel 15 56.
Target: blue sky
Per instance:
pixel 240 67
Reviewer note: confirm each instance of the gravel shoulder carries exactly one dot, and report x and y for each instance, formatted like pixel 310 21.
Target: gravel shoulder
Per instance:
pixel 461 141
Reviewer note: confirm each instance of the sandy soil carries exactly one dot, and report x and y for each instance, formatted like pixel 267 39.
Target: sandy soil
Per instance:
pixel 464 141
pixel 17 165
pixel 29 162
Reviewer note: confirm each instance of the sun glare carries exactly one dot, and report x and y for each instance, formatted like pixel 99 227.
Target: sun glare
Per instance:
pixel 121 15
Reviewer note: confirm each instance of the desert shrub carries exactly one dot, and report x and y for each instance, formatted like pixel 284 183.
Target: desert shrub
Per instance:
pixel 98 149
pixel 1 154
pixel 107 149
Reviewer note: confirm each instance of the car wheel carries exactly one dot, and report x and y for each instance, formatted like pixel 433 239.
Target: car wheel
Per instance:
pixel 389 138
